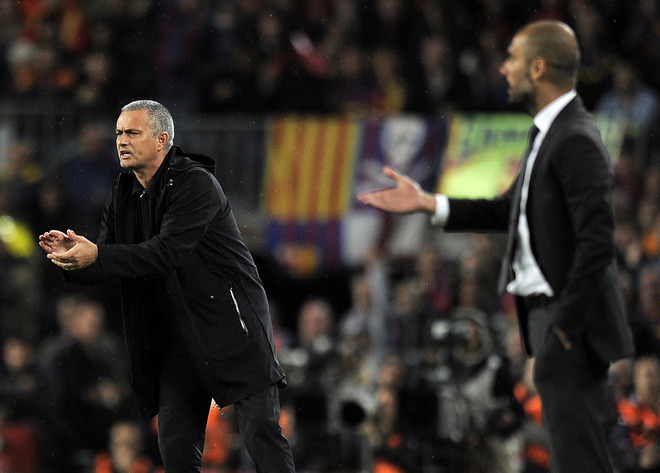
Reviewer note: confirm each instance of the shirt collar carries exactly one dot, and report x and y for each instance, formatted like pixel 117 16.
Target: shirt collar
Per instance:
pixel 547 115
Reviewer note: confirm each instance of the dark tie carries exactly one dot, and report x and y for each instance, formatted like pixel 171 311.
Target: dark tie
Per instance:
pixel 505 269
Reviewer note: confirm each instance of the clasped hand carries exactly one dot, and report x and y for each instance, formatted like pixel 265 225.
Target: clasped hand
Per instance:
pixel 68 250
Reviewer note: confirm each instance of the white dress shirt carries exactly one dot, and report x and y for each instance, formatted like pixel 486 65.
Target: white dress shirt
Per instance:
pixel 528 277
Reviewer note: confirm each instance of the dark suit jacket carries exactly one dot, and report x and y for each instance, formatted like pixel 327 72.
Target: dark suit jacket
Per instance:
pixel 571 224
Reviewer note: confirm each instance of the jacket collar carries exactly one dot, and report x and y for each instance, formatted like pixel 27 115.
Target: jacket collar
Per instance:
pixel 180 161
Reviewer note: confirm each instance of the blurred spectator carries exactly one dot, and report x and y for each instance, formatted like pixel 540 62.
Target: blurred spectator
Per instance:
pixel 21 385
pixel 20 175
pixel 125 451
pixel 629 98
pixel 388 447
pixel 125 33
pixel 648 144
pixel 88 386
pixel 283 337
pixel 435 282
pixel 409 332
pixel 477 415
pixel 89 170
pixel 9 30
pixel 481 63
pixel 21 61
pixel 312 366
pixel 72 26
pixel 648 307
pixel 231 85
pixel 387 25
pixel 96 91
pixel 20 447
pixel 392 93
pixel 440 86
pixel 639 412
pixel 350 399
pixel 352 88
pixel 536 458
pixel 627 178
pixel 182 42
pixel 642 36
pixel 19 294
pixel 368 310
pixel 596 51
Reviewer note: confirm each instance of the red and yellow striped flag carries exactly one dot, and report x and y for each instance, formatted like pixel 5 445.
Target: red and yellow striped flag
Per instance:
pixel 310 168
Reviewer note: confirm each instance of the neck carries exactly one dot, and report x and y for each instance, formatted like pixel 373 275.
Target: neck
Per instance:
pixel 544 97
pixel 145 174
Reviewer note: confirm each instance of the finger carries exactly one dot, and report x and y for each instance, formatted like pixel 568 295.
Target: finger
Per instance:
pixel 366 197
pixel 390 172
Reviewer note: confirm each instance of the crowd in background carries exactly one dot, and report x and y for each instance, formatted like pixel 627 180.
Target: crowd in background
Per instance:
pixel 315 56
pixel 418 367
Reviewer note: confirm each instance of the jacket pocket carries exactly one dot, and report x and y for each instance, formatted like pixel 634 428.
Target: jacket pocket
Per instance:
pixel 238 311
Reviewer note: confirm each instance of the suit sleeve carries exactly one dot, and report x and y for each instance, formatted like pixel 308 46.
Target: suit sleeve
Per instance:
pixel 479 215
pixel 583 169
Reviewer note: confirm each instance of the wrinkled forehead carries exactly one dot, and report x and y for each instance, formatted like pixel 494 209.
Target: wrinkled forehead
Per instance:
pixel 133 119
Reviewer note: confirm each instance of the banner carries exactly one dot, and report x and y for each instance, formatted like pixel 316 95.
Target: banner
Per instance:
pixel 413 145
pixel 483 153
pixel 307 188
pixel 484 150
pixel 316 166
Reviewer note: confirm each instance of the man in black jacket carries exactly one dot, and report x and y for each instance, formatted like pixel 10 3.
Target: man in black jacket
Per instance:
pixel 560 224
pixel 195 311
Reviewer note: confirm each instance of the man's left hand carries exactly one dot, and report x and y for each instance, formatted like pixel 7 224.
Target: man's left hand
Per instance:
pixel 80 253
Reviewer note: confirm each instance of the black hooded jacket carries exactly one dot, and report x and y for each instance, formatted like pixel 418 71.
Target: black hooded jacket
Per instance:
pixel 196 274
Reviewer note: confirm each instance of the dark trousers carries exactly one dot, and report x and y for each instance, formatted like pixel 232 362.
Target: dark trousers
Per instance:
pixel 576 399
pixel 184 405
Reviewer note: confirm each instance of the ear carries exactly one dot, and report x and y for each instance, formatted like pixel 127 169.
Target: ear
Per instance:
pixel 163 138
pixel 538 68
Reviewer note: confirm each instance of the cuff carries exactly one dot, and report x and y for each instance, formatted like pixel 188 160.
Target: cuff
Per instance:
pixel 441 214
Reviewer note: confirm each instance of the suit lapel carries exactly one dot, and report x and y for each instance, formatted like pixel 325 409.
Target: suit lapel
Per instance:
pixel 557 127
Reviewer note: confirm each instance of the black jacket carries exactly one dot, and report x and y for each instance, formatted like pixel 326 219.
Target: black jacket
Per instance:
pixel 204 276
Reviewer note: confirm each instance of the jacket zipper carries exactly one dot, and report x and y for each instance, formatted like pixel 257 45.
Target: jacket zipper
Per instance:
pixel 238 311
pixel 166 189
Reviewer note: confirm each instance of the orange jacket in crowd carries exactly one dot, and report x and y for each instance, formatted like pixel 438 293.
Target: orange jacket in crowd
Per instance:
pixel 531 404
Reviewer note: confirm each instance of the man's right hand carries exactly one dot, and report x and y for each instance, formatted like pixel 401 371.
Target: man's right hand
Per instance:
pixel 55 241
pixel 406 197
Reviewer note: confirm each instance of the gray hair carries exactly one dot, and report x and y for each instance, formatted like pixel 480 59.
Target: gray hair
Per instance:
pixel 160 119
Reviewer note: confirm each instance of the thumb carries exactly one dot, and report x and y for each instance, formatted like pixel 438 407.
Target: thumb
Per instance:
pixel 72 235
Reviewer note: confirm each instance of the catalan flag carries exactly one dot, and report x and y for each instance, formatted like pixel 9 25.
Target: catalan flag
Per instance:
pixel 308 184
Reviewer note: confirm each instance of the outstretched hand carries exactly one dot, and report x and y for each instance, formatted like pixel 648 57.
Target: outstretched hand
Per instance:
pixel 405 197
pixel 68 250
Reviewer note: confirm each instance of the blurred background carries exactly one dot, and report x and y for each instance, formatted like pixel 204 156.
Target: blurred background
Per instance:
pixel 399 354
